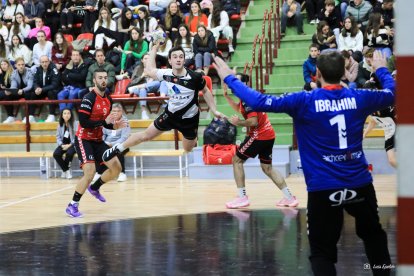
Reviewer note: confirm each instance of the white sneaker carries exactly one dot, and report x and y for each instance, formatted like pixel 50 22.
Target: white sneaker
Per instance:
pixel 63 175
pixel 92 52
pixel 68 175
pixel 144 115
pixel 122 177
pixel 231 49
pixel 96 177
pixel 31 119
pixel 110 41
pixel 316 21
pixel 50 118
pixel 312 22
pixel 9 120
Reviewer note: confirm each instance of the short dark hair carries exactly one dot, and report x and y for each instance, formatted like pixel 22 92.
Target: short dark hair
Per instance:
pixel 99 70
pixel 99 51
pixel 314 45
pixel 345 54
pixel 176 48
pixel 332 66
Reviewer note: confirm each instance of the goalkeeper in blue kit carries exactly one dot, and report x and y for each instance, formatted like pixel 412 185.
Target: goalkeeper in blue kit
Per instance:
pixel 329 124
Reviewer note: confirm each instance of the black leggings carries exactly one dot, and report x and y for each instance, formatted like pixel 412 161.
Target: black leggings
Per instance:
pixel 64 163
pixel 325 220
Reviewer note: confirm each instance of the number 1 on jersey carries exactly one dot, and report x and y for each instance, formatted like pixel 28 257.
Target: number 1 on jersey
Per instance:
pixel 340 120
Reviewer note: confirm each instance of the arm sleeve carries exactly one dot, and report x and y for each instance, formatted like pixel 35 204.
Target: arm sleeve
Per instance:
pixel 144 49
pixel 58 137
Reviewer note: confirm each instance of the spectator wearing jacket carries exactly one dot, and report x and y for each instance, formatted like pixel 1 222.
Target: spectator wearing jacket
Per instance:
pixel 291 12
pixel 366 76
pixel 331 15
pixel 73 79
pixel 65 138
pixel 22 79
pixel 47 83
pixel 33 9
pixel 360 10
pixel 309 68
pixel 100 64
pixel 218 24
pixel 231 6
pixel 204 45
pixel 61 51
pixel 351 70
pixel 351 39
pixel 386 9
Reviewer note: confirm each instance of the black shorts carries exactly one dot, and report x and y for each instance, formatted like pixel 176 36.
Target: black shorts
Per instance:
pixel 251 147
pixel 188 127
pixel 90 151
pixel 389 144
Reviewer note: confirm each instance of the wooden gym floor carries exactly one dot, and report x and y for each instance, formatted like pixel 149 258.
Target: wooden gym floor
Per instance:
pixel 168 226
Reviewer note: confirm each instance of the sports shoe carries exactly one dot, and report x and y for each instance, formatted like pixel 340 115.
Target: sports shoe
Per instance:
pixel 31 119
pixel 9 120
pixel 68 175
pixel 73 211
pixel 110 153
pixel 238 202
pixel 144 115
pixel 284 202
pixel 63 175
pixel 50 118
pixel 122 177
pixel 312 22
pixel 96 194
pixel 231 49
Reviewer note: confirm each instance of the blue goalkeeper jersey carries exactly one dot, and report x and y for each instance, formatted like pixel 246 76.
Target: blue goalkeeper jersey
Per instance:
pixel 329 124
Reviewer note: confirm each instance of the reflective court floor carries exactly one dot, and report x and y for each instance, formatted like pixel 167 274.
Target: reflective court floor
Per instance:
pixel 249 242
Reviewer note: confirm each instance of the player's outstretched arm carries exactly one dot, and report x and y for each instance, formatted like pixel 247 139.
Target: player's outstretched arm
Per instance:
pixel 151 67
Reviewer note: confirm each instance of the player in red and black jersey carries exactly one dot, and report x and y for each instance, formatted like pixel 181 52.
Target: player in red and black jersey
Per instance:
pixel 259 141
pixel 94 114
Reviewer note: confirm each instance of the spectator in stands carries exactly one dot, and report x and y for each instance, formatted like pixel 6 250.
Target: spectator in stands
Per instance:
pixel 101 29
pixel 32 37
pixel 331 15
pixel 204 45
pixel 379 36
pixel 291 12
pixel 73 79
pixel 65 138
pixel 101 64
pixel 19 27
pixel 112 137
pixel 351 39
pixel 41 48
pixel 6 71
pixel 172 21
pixel 360 10
pixel 52 15
pixel 351 70
pixel 231 6
pixel 218 23
pixel 47 83
pixel 386 9
pixel 121 4
pixel 324 37
pixel 157 8
pixel 4 31
pixel 133 51
pixel 142 85
pixel 4 49
pixel 146 23
pixel 161 60
pixel 185 40
pixel 366 76
pixel 313 7
pixel 61 51
pixel 19 50
pixel 195 18
pixel 309 68
pixel 33 9
pixel 91 9
pixel 343 4
pixel 12 8
pixel 22 79
pixel 125 24
pixel 184 6
pixel 72 13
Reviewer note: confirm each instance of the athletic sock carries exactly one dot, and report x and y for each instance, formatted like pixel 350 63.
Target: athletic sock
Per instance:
pixel 98 183
pixel 120 147
pixel 242 192
pixel 76 197
pixel 286 192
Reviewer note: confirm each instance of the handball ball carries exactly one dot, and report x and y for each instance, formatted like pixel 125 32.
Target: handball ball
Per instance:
pixel 158 36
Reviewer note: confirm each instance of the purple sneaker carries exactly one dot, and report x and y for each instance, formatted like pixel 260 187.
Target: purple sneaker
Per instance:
pixel 73 211
pixel 96 194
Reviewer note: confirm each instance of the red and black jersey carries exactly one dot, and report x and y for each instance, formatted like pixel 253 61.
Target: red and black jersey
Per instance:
pixel 264 129
pixel 92 114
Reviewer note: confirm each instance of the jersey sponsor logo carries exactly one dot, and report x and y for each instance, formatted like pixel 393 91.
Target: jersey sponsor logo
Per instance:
pixel 87 106
pixel 268 101
pixel 335 105
pixel 175 89
pixel 342 197
pixel 342 157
